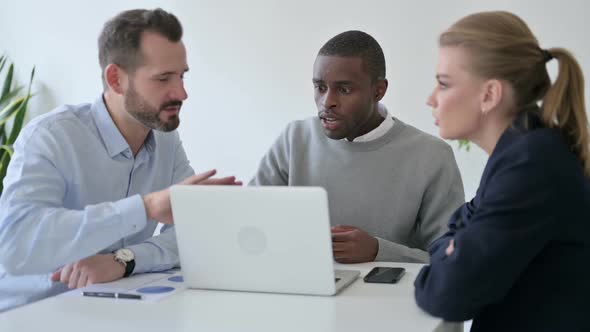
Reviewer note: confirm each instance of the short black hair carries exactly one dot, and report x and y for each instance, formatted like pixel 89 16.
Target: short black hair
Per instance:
pixel 360 44
pixel 120 37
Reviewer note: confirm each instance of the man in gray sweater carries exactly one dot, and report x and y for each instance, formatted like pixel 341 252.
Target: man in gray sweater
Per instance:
pixel 391 187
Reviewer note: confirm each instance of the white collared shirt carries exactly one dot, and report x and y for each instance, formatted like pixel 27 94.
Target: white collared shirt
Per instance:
pixel 62 202
pixel 380 130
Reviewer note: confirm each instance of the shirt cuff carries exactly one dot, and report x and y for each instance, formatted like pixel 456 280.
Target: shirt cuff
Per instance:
pixel 142 257
pixel 149 258
pixel 133 215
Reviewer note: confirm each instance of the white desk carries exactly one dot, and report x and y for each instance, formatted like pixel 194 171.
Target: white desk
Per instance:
pixel 360 307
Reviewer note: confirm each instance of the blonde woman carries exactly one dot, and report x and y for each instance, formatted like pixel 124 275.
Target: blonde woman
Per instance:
pixel 516 257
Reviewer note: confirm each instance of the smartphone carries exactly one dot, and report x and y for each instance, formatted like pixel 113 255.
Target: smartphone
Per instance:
pixel 385 275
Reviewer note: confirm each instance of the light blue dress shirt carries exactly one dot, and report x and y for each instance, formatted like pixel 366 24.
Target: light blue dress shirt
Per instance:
pixel 73 189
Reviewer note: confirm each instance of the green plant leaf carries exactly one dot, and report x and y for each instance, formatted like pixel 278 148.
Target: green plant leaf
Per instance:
pixel 7 149
pixel 19 119
pixel 4 160
pixel 31 82
pixel 10 110
pixel 2 62
pixel 463 143
pixel 12 104
pixel 7 81
pixel 2 152
pixel 5 99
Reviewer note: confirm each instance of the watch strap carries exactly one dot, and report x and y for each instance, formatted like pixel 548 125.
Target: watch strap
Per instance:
pixel 129 267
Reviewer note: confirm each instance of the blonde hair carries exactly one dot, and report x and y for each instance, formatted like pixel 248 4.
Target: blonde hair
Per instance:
pixel 503 47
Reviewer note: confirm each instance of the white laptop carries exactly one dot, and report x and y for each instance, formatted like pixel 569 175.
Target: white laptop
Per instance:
pixel 262 239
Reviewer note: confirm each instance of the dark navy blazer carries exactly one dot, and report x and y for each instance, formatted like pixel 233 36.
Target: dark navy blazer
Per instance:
pixel 522 245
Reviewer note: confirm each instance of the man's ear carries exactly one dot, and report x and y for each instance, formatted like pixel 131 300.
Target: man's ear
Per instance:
pixel 492 96
pixel 116 78
pixel 380 89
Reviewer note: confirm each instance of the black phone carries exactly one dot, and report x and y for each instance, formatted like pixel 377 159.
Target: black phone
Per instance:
pixel 385 275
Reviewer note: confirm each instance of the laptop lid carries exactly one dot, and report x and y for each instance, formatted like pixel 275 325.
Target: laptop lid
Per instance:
pixel 266 239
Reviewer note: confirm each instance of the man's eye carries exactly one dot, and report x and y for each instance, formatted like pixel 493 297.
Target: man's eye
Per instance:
pixel 345 90
pixel 320 88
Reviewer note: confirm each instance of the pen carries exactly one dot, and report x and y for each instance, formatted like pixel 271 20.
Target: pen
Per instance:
pixel 113 295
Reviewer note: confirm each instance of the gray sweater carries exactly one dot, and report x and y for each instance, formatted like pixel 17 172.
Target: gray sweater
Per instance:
pixel 401 187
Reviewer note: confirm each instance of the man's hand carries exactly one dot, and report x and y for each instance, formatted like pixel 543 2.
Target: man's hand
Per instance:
pixel 91 270
pixel 353 245
pixel 157 204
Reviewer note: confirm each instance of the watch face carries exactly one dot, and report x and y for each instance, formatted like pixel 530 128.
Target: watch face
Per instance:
pixel 125 255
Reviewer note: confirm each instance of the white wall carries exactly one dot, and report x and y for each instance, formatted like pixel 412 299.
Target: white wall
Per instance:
pixel 251 61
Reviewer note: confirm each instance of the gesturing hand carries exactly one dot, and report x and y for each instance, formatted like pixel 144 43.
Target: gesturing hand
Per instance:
pixel 157 204
pixel 353 245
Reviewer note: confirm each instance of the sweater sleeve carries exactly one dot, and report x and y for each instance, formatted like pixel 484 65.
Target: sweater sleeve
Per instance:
pixel 443 195
pixel 394 252
pixel 273 169
pixel 508 229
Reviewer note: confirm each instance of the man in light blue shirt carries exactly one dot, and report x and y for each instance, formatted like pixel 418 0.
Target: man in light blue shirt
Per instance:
pixel 87 184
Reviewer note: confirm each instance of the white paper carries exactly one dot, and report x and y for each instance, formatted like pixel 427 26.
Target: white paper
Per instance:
pixel 150 286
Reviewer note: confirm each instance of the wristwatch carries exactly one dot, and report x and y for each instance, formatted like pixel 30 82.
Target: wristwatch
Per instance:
pixel 127 258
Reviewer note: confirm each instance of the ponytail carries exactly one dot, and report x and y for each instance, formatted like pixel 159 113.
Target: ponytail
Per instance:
pixel 563 105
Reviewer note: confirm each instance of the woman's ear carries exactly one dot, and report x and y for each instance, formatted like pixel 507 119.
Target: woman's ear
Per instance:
pixel 493 92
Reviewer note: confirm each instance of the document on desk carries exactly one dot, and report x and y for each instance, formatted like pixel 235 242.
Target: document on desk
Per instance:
pixel 152 287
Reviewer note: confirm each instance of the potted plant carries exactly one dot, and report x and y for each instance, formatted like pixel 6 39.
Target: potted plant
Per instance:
pixel 13 105
pixel 463 143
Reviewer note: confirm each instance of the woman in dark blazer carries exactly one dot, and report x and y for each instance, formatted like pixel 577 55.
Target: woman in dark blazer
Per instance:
pixel 516 257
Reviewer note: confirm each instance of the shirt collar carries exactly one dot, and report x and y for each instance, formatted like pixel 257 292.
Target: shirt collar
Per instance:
pixel 113 140
pixel 381 130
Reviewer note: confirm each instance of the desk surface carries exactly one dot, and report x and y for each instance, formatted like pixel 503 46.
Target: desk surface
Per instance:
pixel 359 307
